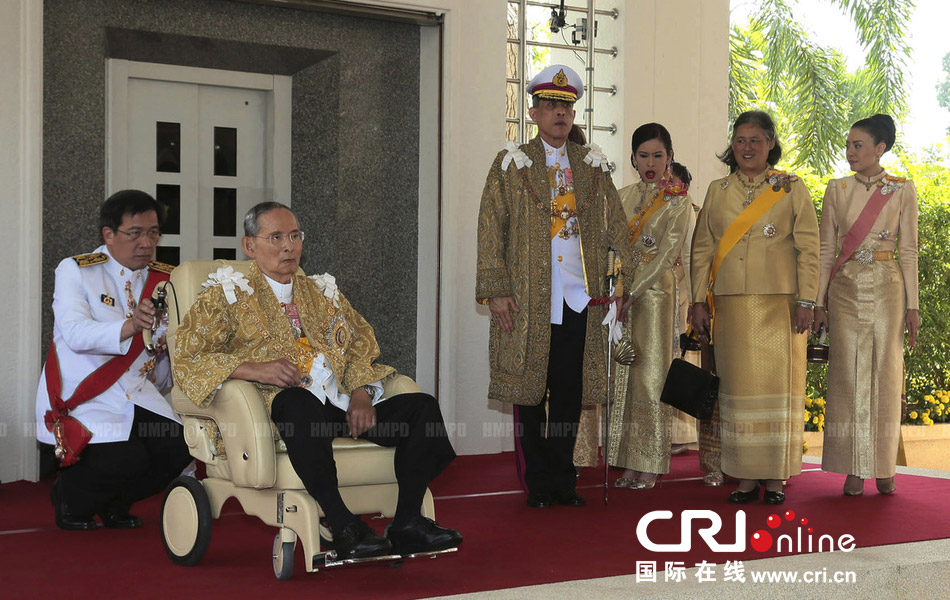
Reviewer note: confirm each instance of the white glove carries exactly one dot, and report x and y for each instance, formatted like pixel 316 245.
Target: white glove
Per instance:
pixel 614 328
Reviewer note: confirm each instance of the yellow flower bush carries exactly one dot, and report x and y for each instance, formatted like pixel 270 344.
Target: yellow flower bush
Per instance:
pixel 933 408
pixel 814 417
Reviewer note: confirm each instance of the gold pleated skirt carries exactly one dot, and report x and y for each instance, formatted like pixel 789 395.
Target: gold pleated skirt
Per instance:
pixel 865 370
pixel 641 427
pixel 761 366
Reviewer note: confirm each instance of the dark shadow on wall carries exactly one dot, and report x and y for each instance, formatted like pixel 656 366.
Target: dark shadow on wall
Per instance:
pixel 355 133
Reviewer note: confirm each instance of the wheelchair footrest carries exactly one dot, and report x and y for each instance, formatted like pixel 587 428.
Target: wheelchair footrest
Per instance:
pixel 328 559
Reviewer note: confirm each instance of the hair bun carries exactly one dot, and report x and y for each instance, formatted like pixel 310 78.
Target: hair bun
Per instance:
pixel 886 127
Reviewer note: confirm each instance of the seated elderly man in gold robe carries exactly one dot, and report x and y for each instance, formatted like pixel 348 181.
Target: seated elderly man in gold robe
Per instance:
pixel 313 358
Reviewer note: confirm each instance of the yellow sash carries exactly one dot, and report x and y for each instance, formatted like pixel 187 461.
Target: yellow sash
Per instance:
pixel 305 355
pixel 738 228
pixel 566 204
pixel 635 225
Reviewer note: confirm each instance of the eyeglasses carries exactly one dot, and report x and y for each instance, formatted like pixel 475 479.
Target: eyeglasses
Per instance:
pixel 755 142
pixel 276 239
pixel 136 234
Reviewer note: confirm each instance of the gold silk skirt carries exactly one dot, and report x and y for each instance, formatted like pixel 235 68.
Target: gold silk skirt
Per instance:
pixel 761 366
pixel 641 427
pixel 865 370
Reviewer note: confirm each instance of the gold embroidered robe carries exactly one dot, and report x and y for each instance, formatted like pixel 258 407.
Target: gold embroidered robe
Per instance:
pixel 216 337
pixel 514 259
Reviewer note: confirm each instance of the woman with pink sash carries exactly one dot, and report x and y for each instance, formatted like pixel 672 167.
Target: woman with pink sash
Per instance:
pixel 866 300
pixel 754 276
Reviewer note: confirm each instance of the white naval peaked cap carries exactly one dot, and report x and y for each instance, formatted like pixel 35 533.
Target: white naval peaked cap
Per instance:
pixel 557 82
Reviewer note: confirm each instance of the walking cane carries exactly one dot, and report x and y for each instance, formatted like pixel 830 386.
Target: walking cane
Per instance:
pixel 609 287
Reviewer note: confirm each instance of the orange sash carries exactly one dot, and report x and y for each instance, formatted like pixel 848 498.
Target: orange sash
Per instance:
pixel 636 225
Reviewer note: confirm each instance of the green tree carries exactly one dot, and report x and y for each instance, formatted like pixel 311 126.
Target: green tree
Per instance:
pixel 776 66
pixel 943 86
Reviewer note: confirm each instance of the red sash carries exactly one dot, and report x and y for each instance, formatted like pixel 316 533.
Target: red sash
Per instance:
pixel 859 230
pixel 71 435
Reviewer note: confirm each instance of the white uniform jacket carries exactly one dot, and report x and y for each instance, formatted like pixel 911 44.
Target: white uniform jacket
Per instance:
pixel 89 307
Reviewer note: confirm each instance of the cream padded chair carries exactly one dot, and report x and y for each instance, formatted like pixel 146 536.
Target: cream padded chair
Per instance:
pixel 255 469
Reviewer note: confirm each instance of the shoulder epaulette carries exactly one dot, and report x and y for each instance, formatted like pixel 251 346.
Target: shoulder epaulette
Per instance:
pixel 87 260
pixel 896 179
pixel 160 267
pixel 516 154
pixel 595 157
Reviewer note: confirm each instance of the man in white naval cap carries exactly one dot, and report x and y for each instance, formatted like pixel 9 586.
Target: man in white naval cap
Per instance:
pixel 549 213
pixel 99 399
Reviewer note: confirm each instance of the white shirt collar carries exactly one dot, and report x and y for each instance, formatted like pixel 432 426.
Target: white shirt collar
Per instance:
pixel 283 291
pixel 117 269
pixel 554 155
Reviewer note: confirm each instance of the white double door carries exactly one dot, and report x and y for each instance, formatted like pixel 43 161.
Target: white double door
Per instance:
pixel 204 151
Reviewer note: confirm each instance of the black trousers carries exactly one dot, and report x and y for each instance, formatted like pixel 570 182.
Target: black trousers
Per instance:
pixel 546 435
pixel 114 475
pixel 412 423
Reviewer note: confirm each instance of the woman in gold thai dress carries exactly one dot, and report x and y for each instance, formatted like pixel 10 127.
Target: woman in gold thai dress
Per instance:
pixel 757 239
pixel 658 219
pixel 871 298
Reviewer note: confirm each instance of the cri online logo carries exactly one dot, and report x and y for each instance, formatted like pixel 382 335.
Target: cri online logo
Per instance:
pixel 799 540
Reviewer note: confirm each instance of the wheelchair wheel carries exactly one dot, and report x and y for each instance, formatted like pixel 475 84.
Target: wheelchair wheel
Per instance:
pixel 186 521
pixel 283 559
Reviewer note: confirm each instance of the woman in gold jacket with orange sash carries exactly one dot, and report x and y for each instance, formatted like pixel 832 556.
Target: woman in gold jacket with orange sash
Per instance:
pixel 757 239
pixel 871 298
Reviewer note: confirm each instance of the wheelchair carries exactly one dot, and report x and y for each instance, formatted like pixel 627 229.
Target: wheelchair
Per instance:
pixel 234 439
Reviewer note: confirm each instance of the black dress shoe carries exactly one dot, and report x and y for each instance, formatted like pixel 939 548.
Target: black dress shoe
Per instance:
pixel 738 497
pixel 357 540
pixel 539 500
pixel 65 519
pixel 119 519
pixel 774 497
pixel 422 535
pixel 570 498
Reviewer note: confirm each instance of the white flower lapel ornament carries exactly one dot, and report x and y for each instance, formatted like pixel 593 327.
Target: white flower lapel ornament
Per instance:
pixel 326 283
pixel 228 278
pixel 515 154
pixel 596 157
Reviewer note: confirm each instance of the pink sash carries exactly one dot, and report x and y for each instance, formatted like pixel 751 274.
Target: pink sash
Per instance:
pixel 860 230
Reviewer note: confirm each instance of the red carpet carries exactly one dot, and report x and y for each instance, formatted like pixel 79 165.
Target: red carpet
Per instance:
pixel 506 543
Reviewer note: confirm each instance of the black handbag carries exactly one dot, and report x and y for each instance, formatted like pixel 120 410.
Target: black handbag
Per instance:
pixel 689 388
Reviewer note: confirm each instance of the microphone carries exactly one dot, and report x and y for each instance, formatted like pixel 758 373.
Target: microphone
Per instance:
pixel 158 301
